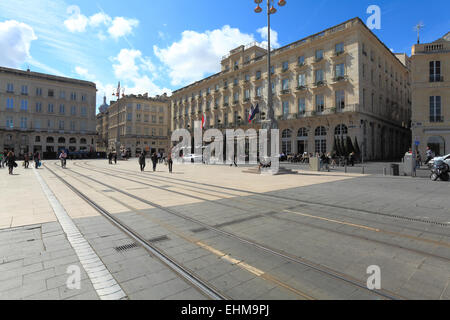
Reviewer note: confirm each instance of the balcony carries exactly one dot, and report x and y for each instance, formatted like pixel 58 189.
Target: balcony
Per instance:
pixel 318 59
pixel 300 65
pixel 246 100
pixel 300 114
pixel 285 91
pixel 340 78
pixel 226 104
pixel 320 83
pixel 301 88
pixel 235 102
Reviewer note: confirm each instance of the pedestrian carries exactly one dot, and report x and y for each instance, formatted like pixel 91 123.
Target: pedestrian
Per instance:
pixel 352 159
pixel 26 160
pixel 429 155
pixel 170 161
pixel 115 157
pixel 154 160
pixel 1 159
pixel 142 161
pixel 110 156
pixel 36 158
pixel 11 162
pixel 63 158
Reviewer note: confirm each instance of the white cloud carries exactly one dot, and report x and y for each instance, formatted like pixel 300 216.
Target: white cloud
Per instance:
pixel 121 27
pixel 99 19
pixel 273 37
pixel 84 73
pixel 15 42
pixel 77 22
pixel 198 54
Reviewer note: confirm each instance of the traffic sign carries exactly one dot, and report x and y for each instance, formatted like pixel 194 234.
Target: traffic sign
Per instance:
pixel 417 142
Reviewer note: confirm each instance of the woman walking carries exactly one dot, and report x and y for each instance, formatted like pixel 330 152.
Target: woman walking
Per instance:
pixel 26 162
pixel 37 159
pixel 142 161
pixel 11 162
pixel 170 161
pixel 154 160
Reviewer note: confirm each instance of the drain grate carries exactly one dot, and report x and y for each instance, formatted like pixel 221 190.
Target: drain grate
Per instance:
pixel 159 239
pixel 126 247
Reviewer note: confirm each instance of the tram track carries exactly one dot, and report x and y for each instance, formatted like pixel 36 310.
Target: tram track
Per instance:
pixel 201 285
pixel 359 237
pixel 324 270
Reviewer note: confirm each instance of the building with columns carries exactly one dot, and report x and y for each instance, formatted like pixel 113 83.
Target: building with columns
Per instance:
pixel 431 96
pixel 136 122
pixel 46 113
pixel 340 82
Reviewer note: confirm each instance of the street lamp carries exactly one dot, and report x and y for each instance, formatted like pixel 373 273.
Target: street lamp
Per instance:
pixel 270 123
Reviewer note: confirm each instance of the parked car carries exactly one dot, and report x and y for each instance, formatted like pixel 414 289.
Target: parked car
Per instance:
pixel 446 159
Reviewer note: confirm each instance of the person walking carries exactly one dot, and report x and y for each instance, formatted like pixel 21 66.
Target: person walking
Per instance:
pixel 352 159
pixel 234 161
pixel 63 158
pixel 170 161
pixel 1 159
pixel 429 155
pixel 154 160
pixel 110 156
pixel 36 158
pixel 115 158
pixel 142 161
pixel 11 162
pixel 26 160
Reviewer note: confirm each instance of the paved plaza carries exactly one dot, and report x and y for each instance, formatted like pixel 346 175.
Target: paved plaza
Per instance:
pixel 301 236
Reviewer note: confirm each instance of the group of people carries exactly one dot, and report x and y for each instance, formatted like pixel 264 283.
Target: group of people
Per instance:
pixel 8 159
pixel 112 156
pixel 155 159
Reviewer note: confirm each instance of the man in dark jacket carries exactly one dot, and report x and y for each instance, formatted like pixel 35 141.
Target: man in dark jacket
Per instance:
pixel 154 160
pixel 11 162
pixel 142 161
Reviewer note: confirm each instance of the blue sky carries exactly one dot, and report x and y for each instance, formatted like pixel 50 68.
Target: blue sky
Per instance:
pixel 160 46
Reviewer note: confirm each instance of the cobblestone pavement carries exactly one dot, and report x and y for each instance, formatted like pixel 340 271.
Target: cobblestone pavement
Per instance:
pixel 331 222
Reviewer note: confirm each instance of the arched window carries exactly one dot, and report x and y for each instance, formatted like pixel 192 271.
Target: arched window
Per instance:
pixel 340 129
pixel 72 140
pixel 320 131
pixel 82 141
pixel 302 132
pixel 286 134
pixel 286 143
pixel 61 140
pixel 50 140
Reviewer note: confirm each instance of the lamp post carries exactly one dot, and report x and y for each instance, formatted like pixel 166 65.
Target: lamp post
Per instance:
pixel 270 122
pixel 117 94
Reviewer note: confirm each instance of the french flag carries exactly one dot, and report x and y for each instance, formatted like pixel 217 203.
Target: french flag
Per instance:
pixel 203 120
pixel 253 112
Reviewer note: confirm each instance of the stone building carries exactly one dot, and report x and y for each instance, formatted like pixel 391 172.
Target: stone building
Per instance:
pixel 46 113
pixel 138 123
pixel 431 96
pixel 340 82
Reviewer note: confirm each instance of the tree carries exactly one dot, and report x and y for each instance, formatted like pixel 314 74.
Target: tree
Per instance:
pixel 334 151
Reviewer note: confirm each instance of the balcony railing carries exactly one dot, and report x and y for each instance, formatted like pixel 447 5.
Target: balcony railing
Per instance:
pixel 301 87
pixel 340 78
pixel 286 91
pixel 320 83
pixel 436 119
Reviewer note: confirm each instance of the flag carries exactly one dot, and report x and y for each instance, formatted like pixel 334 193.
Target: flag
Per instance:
pixel 253 112
pixel 203 120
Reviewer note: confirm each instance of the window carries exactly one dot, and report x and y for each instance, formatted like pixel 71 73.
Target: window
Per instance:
pixel 285 65
pixel 302 132
pixel 146 117
pixel 341 130
pixel 285 108
pixel 339 48
pixel 285 84
pixel 247 78
pixel 301 105
pixel 340 100
pixel 302 80
pixel 226 99
pixel 50 125
pixel 138 117
pixel 153 119
pixel 37 125
pixel 153 132
pixel 83 97
pixel 138 106
pixel 51 93
pixel 83 111
pixel 62 109
pixel 129 116
pixel 236 97
pixel 435 109
pixel 320 140
pixel 9 88
pixel 23 123
pixel 38 107
pixel 217 87
pixel 50 108
pixel 339 71
pixel 161 133
pixel 37 139
pixel 24 105
pixel 258 75
pixel 61 125
pixel 259 91
pixel 83 141
pixel 319 55
pixel 9 122
pixel 301 60
pixel 39 92
pixel 72 126
pixel 272 69
pixel 247 94
pixel 153 109
pixel 73 96
pixel 9 103
pixel 286 143
pixel 161 109
pixel 319 75
pixel 435 71
pixel 73 110
pixel 320 104
pixel 62 94
pixel 50 140
pixel 161 120
pixel 24 90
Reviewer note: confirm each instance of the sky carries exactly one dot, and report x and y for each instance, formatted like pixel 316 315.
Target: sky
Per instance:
pixel 160 46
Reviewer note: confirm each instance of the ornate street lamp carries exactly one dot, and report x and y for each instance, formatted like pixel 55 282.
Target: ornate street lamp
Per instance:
pixel 270 122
